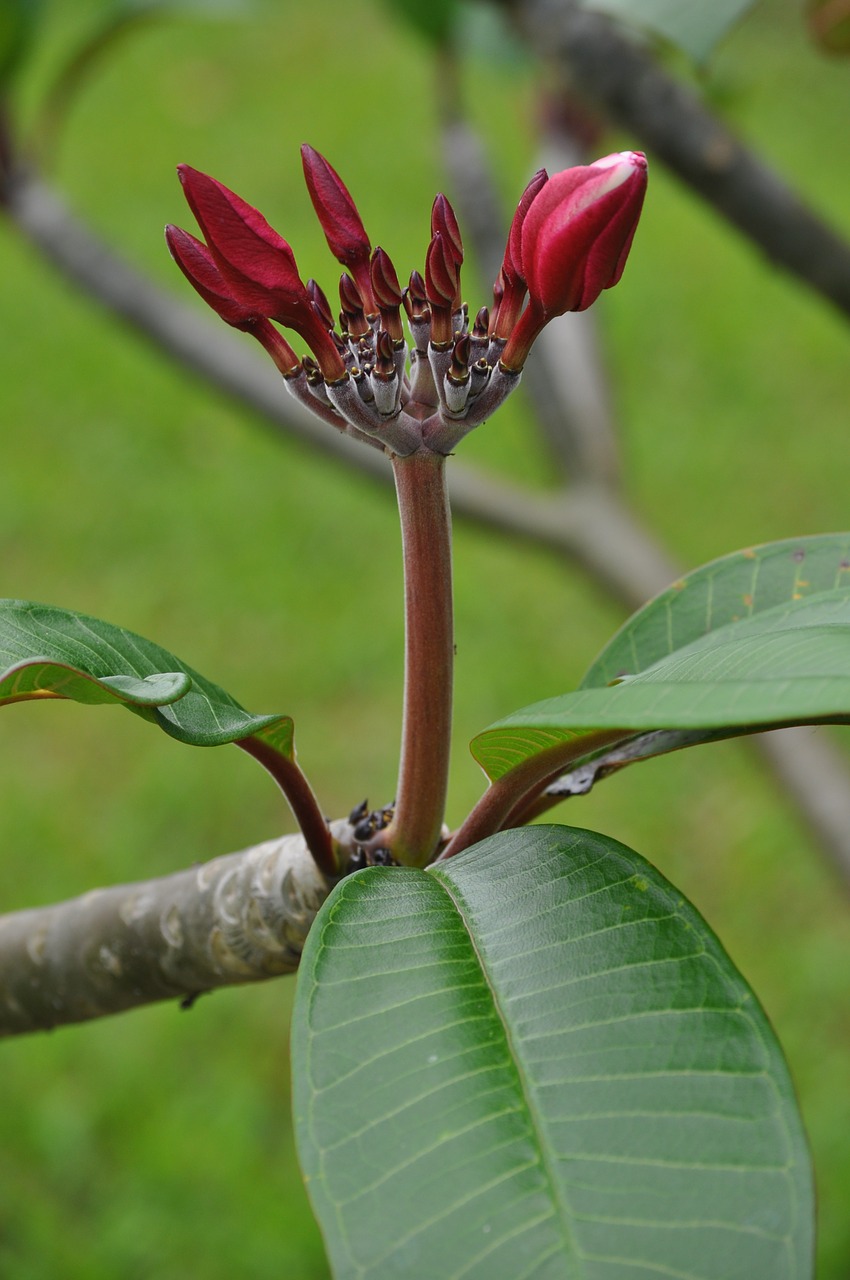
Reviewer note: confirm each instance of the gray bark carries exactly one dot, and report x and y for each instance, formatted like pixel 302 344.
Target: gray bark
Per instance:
pixel 240 918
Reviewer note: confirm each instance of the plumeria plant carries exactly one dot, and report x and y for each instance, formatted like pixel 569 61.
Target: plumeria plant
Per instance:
pixel 517 1050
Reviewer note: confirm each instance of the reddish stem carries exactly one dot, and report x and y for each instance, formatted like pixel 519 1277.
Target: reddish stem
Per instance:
pixel 299 794
pixel 423 506
pixel 509 794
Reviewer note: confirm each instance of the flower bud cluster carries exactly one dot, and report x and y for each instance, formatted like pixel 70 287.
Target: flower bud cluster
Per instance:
pixel 569 240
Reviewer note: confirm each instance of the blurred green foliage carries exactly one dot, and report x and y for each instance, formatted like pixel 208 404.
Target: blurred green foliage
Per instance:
pixel 18 23
pixel 691 25
pixel 158 1143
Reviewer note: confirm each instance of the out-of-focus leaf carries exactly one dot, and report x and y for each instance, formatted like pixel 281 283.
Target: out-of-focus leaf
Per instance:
pixel 18 22
pixel 536 1060
pixel 434 20
pixel 205 8
pixel 695 26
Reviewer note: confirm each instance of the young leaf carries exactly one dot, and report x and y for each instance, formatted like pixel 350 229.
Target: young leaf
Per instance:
pixel 755 640
pixel 536 1060
pixel 46 652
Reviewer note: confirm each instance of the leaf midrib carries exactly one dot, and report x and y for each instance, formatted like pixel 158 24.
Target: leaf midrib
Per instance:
pixel 535 1120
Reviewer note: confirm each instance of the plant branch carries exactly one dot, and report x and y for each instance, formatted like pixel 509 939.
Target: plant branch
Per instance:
pixel 592 56
pixel 423 506
pixel 240 918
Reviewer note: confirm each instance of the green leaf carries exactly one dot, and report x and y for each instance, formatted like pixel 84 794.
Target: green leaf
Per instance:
pixel 695 26
pixel 18 22
pixel 536 1060
pixel 758 639
pixel 47 652
pixel 728 590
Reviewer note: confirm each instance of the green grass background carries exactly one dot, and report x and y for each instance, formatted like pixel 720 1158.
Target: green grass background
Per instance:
pixel 158 1144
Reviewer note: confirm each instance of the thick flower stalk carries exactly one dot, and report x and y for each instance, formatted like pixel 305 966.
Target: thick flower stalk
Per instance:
pixel 568 241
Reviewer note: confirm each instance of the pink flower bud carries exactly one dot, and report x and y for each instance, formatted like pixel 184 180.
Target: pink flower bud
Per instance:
pixel 578 231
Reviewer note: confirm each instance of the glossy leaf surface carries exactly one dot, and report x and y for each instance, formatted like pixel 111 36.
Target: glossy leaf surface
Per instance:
pixel 535 1060
pixel 755 640
pixel 46 652
pixel 730 589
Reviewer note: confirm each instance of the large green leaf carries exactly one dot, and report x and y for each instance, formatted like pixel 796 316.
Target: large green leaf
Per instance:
pixel 49 652
pixel 695 26
pixel 536 1060
pixel 726 590
pixel 755 640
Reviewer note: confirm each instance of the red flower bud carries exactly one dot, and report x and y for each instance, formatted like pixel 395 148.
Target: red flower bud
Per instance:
pixel 196 262
pixel 443 220
pixel 320 304
pixel 574 241
pixel 387 291
pixel 441 283
pixel 512 263
pixel 413 297
pixel 578 231
pixel 385 285
pixel 511 275
pixel 440 272
pixel 256 264
pixel 341 223
pixel 356 324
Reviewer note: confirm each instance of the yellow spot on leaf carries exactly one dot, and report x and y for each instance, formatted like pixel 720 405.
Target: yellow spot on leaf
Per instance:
pixel 748 601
